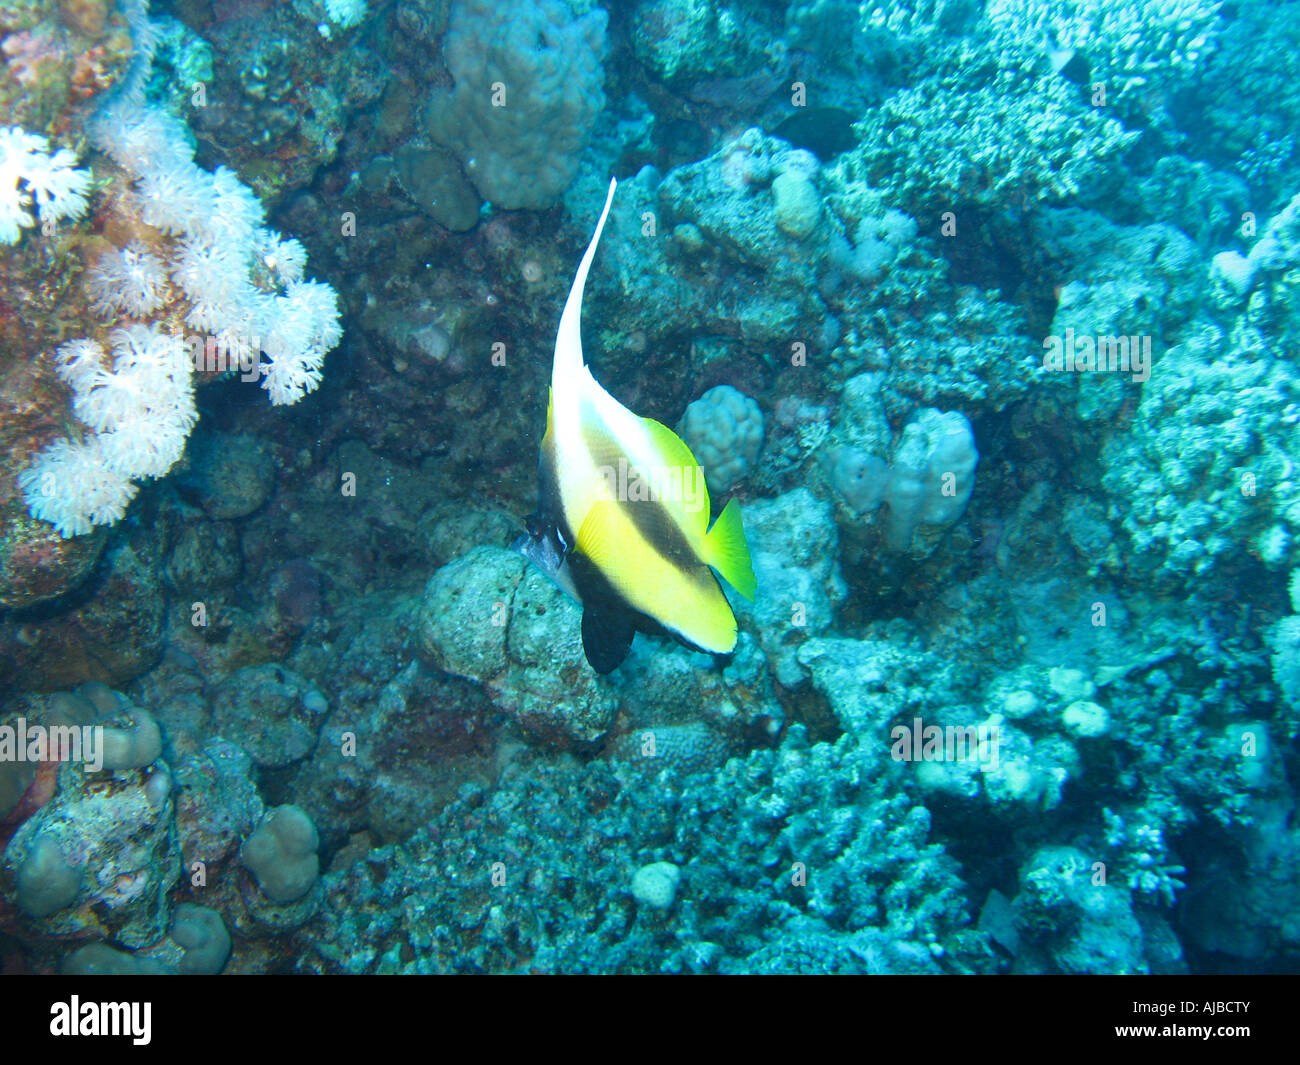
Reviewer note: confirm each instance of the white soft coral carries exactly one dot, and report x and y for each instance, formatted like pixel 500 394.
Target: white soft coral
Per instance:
pixel 285 259
pixel 345 13
pixel 175 195
pixel 301 326
pixel 77 362
pixel 244 283
pixel 31 178
pixel 141 139
pixel 129 280
pixel 148 391
pixel 70 486
pixel 139 413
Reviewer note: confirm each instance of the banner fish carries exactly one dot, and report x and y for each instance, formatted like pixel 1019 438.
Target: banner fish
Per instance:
pixel 623 519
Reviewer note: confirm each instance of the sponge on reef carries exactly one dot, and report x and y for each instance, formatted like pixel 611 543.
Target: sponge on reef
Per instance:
pixel 281 854
pixel 528 89
pixel 927 484
pixel 46 881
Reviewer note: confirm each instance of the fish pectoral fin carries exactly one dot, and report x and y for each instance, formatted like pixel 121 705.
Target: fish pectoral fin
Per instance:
pixel 727 552
pixel 598 535
pixel 607 633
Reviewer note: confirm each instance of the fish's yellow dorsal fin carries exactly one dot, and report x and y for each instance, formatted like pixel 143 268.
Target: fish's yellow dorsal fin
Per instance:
pixel 727 552
pixel 568 341
pixel 674 453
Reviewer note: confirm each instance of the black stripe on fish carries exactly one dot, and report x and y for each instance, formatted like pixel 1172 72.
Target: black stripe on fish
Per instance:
pixel 600 596
pixel 656 525
pixel 650 516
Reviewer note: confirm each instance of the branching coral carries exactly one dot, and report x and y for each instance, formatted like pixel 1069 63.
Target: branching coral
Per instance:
pixel 948 144
pixel 1126 45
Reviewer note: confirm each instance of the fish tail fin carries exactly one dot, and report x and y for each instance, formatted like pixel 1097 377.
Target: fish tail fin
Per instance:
pixel 568 341
pixel 727 552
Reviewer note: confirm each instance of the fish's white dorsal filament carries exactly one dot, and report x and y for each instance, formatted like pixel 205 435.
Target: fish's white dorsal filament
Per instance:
pixel 568 341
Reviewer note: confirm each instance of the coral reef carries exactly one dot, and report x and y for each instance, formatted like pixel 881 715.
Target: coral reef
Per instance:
pixel 984 313
pixel 872 891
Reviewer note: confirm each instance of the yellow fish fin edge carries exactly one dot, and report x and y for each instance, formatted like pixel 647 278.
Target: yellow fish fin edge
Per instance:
pixel 675 454
pixel 671 447
pixel 727 552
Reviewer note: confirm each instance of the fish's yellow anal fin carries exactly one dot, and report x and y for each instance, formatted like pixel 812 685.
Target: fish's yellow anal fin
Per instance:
pixel 675 455
pixel 727 552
